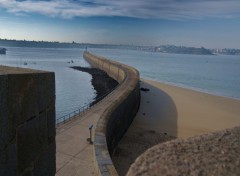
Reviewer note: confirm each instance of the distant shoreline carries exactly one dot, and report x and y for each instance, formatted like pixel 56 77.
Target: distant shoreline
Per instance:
pixel 173 49
pixel 191 88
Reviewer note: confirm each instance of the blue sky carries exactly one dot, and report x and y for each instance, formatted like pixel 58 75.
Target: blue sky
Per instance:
pixel 208 23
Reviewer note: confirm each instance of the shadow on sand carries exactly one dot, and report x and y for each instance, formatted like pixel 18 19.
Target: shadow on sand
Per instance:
pixel 156 122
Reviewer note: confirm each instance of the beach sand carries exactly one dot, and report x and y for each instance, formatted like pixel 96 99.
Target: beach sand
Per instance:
pixel 168 112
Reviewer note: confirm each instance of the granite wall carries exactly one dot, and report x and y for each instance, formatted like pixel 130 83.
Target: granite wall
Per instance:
pixel 118 116
pixel 27 122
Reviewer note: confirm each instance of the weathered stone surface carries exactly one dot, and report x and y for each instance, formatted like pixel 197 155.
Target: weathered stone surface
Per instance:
pixel 211 154
pixel 27 121
pixel 46 91
pixel 46 163
pixel 8 160
pixel 5 134
pixel 32 139
pixel 51 130
pixel 22 97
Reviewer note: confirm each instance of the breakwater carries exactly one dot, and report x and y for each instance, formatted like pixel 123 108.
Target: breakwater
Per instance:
pixel 118 115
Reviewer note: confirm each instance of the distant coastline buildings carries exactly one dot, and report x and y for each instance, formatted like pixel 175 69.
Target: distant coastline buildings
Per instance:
pixel 162 48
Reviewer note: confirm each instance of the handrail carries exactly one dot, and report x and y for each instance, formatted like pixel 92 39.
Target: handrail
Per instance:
pixel 82 110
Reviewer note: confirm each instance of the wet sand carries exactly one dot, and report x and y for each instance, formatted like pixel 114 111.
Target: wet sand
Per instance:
pixel 168 112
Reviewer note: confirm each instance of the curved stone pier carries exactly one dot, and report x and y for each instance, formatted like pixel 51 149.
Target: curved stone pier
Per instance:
pixel 118 116
pixel 110 118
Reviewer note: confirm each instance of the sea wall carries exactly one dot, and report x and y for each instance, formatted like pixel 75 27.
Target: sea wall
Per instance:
pixel 27 122
pixel 119 114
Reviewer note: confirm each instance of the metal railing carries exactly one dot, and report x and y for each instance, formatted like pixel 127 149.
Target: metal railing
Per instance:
pixel 82 110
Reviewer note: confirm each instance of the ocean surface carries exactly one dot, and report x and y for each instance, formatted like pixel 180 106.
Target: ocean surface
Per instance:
pixel 214 74
pixel 217 74
pixel 73 88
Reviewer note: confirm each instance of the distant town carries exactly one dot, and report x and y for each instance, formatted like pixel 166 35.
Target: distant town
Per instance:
pixel 163 48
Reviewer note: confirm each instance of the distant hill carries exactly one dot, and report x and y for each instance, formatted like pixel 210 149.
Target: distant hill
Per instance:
pixel 182 50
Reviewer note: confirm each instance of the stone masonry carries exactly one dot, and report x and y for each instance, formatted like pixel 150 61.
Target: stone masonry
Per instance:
pixel 27 122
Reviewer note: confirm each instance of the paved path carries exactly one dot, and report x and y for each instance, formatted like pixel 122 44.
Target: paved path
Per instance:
pixel 74 154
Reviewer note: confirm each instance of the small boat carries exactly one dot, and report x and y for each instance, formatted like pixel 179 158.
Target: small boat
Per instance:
pixel 3 50
pixel 25 63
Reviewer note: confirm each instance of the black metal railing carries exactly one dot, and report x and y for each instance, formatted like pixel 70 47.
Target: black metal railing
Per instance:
pixel 82 110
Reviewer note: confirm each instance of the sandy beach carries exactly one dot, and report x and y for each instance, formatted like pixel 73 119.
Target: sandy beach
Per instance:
pixel 183 112
pixel 168 112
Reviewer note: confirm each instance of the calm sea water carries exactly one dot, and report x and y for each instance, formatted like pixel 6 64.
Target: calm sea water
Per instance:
pixel 214 74
pixel 217 75
pixel 73 88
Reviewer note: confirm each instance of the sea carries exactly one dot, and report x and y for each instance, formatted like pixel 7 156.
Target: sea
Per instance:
pixel 213 74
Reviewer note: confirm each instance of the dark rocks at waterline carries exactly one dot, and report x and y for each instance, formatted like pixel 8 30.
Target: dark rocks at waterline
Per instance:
pixel 102 83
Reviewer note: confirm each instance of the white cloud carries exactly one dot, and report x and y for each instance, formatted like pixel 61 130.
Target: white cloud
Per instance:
pixel 162 9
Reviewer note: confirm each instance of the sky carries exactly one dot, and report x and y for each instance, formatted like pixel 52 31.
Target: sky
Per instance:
pixel 207 23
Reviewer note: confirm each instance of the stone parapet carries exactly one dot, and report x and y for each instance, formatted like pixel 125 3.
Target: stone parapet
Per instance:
pixel 27 122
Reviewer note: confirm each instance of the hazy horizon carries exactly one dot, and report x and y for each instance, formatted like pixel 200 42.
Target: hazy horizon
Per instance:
pixel 207 23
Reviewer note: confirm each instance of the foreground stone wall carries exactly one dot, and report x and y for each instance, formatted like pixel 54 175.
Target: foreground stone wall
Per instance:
pixel 27 122
pixel 118 116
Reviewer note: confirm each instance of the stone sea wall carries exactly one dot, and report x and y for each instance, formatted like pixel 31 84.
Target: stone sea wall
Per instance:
pixel 27 122
pixel 118 116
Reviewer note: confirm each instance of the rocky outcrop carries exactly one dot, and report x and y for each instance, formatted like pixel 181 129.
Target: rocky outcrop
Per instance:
pixel 210 154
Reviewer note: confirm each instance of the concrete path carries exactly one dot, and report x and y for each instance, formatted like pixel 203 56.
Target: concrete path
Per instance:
pixel 74 154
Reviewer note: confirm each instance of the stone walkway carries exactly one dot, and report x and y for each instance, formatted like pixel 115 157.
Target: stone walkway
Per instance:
pixel 74 154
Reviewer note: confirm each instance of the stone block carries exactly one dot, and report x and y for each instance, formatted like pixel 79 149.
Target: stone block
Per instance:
pixel 8 160
pixel 46 164
pixel 32 139
pixel 22 97
pixel 27 121
pixel 51 121
pixel 46 91
pixel 30 94
pixel 5 125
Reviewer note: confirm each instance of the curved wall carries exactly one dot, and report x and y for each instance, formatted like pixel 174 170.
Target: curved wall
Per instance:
pixel 120 113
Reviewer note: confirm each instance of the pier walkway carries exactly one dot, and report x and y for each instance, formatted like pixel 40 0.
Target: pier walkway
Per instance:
pixel 74 154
